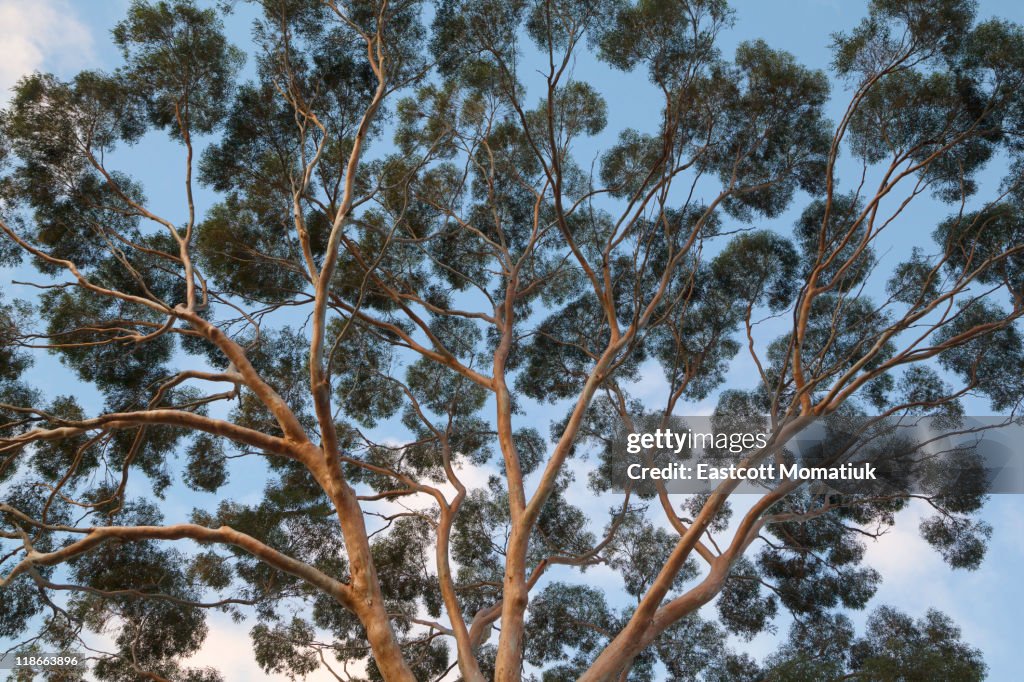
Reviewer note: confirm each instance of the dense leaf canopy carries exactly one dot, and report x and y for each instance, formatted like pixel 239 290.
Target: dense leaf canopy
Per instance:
pixel 428 288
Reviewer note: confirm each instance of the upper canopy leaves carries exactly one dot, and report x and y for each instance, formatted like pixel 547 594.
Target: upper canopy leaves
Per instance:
pixel 416 254
pixel 178 59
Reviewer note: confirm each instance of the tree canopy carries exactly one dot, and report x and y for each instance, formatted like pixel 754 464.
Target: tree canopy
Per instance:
pixel 431 287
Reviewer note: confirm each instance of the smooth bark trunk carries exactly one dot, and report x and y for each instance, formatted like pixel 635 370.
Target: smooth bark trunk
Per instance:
pixel 509 663
pixel 369 600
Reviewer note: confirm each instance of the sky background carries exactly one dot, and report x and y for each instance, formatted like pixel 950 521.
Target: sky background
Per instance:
pixel 65 36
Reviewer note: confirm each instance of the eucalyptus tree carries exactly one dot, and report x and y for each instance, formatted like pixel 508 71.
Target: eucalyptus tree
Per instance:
pixel 416 257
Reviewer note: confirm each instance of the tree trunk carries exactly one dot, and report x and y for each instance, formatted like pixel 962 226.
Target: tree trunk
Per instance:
pixel 369 600
pixel 386 651
pixel 509 664
pixel 616 657
pixel 637 635
pixel 468 665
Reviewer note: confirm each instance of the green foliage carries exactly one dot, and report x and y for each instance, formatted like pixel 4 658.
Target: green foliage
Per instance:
pixel 894 647
pixel 279 649
pixel 987 362
pixel 984 241
pixel 207 465
pixel 490 270
pixel 638 553
pixel 404 553
pixel 743 607
pixel 833 241
pixel 817 567
pixel 178 56
pixel 572 616
pixel 757 269
pixel 670 38
pixel 559 356
pixel 897 645
pixel 960 541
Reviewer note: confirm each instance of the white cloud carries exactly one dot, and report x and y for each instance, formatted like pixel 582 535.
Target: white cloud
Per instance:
pixel 38 35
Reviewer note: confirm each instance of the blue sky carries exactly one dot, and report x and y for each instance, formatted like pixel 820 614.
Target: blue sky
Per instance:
pixel 65 36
